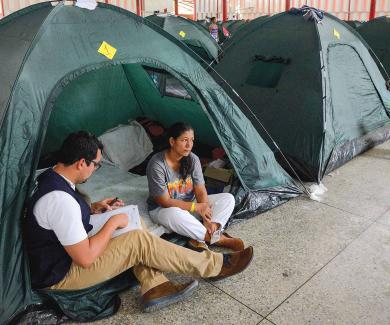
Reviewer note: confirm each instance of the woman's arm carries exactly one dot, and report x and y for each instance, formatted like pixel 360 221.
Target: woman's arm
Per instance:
pixel 201 193
pixel 202 208
pixel 166 201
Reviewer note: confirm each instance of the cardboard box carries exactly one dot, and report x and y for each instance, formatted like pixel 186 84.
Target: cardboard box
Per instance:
pixel 218 180
pixel 219 174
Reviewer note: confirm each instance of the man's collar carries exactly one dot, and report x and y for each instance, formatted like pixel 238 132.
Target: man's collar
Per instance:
pixel 71 184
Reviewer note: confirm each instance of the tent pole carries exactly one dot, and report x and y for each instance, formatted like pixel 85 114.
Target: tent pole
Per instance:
pixel 372 10
pixel 287 5
pixel 176 7
pixel 269 7
pixel 194 10
pixel 2 8
pixel 349 10
pixel 224 10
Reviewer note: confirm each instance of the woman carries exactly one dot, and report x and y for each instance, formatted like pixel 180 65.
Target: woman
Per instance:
pixel 178 199
pixel 213 29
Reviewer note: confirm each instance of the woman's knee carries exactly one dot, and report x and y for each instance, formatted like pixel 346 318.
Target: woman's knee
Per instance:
pixel 227 198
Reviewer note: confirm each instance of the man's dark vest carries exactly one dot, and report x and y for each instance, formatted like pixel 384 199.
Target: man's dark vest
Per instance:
pixel 48 259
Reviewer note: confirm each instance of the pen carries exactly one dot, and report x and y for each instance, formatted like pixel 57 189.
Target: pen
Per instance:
pixel 112 202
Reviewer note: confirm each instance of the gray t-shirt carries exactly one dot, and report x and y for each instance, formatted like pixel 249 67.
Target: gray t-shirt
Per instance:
pixel 163 179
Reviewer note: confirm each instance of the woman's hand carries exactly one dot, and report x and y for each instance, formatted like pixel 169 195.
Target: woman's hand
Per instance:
pixel 204 210
pixel 211 227
pixel 105 205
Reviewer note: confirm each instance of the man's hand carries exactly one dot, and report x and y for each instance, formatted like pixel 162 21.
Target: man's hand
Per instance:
pixel 104 205
pixel 119 220
pixel 204 210
pixel 88 250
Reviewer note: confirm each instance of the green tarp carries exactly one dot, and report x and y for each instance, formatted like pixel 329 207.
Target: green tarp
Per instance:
pixel 314 87
pixel 54 80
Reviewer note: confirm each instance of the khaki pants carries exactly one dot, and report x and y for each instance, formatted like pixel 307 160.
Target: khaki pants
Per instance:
pixel 149 255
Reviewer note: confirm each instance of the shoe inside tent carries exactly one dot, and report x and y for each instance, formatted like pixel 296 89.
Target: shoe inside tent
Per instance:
pixel 313 86
pixel 64 69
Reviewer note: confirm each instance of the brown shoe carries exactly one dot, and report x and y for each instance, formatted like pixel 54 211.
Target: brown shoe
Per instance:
pixel 235 263
pixel 166 294
pixel 228 241
pixel 197 246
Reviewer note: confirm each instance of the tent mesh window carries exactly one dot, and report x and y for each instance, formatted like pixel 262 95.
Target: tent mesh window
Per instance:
pixel 167 84
pixel 266 71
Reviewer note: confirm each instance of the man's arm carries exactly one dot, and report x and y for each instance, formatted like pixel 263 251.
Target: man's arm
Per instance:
pixel 86 252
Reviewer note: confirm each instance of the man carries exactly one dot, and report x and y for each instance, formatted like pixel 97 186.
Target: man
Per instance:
pixel 62 256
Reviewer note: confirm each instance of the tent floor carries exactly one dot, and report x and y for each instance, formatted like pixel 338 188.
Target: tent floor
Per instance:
pixel 110 181
pixel 315 262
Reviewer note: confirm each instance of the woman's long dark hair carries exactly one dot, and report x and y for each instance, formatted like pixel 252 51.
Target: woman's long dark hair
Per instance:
pixel 175 131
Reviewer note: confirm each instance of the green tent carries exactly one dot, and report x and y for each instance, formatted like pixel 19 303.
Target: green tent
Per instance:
pixel 65 69
pixel 313 86
pixel 190 33
pixel 241 31
pixel 353 23
pixel 233 25
pixel 223 33
pixel 203 22
pixel 376 33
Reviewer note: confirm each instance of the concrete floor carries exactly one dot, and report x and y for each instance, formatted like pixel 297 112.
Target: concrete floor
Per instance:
pixel 315 262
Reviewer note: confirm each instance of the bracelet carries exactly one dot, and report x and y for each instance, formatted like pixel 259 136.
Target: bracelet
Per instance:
pixel 192 207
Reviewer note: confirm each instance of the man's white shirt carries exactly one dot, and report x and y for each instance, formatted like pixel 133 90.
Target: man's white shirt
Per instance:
pixel 60 212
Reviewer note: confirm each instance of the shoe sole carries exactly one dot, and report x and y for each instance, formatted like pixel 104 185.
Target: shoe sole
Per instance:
pixel 197 249
pixel 166 301
pixel 214 279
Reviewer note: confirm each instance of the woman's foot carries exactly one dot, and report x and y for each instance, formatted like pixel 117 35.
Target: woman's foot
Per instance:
pixel 228 241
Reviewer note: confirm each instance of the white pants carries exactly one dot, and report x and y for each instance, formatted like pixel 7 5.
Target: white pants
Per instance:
pixel 190 225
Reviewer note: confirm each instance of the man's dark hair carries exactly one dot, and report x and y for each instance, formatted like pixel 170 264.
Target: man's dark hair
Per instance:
pixel 79 145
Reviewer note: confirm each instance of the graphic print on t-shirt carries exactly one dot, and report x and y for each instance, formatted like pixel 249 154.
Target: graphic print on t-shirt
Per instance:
pixel 181 189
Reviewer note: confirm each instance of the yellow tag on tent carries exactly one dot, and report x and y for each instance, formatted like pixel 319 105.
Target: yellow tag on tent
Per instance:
pixel 107 50
pixel 336 33
pixel 182 34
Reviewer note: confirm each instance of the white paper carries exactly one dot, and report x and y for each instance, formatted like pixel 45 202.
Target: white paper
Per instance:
pixel 98 220
pixel 86 4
